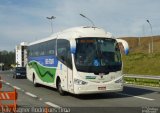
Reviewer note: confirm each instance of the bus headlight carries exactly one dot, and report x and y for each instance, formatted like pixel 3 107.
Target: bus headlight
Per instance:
pixel 119 80
pixel 79 82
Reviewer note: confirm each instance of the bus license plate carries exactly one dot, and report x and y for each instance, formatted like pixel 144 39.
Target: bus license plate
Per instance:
pixel 102 88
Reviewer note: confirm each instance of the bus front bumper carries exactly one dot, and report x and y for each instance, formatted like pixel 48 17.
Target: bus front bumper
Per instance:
pixel 100 88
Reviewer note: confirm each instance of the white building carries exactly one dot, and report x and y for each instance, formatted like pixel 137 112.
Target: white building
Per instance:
pixel 21 54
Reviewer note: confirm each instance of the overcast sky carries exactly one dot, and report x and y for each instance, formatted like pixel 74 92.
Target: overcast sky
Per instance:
pixel 25 20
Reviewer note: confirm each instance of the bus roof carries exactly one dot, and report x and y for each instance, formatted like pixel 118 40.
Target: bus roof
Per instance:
pixel 77 32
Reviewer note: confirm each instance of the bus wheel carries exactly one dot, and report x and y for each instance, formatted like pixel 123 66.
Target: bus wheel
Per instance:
pixel 59 87
pixel 34 81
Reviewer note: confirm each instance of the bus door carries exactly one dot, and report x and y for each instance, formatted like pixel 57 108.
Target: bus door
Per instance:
pixel 70 72
pixel 65 65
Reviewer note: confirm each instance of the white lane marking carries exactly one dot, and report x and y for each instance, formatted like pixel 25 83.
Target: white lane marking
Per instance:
pixel 51 104
pixel 7 83
pixel 30 94
pixel 150 99
pixel 22 90
pixel 16 87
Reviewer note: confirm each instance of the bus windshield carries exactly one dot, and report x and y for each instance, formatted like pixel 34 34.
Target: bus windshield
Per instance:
pixel 97 55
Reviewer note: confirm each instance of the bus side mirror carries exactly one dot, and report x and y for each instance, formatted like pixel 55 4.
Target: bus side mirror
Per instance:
pixel 123 45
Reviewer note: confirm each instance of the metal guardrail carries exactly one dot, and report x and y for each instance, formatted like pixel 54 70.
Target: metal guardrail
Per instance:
pixel 142 76
pixel 137 78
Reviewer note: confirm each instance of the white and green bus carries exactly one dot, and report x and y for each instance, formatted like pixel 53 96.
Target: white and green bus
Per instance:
pixel 80 60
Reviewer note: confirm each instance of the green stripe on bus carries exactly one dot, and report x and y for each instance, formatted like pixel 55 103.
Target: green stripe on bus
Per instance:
pixel 46 74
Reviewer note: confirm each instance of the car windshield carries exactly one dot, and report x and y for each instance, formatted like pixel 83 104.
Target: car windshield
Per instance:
pixel 20 69
pixel 97 55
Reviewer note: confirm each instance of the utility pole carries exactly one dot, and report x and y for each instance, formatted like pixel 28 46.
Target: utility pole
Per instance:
pixel 88 19
pixel 139 41
pixel 149 48
pixel 151 34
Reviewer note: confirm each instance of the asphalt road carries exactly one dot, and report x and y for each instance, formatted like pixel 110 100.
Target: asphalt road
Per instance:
pixel 134 99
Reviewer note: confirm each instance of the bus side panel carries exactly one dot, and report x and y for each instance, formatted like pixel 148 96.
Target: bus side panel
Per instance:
pixel 29 73
pixel 62 74
pixel 44 69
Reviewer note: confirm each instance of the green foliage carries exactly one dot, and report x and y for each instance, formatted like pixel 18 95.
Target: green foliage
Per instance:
pixel 7 58
pixel 142 63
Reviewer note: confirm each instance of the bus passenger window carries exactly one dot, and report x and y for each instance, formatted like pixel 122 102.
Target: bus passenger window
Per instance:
pixel 64 53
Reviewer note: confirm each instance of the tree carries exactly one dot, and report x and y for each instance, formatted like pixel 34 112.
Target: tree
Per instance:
pixel 7 58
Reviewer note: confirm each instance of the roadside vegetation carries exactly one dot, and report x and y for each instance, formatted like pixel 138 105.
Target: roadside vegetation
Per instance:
pixel 141 61
pixel 7 58
pixel 142 64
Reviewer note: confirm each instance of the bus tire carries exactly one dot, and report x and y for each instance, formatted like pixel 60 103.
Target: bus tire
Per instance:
pixel 59 87
pixel 34 81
